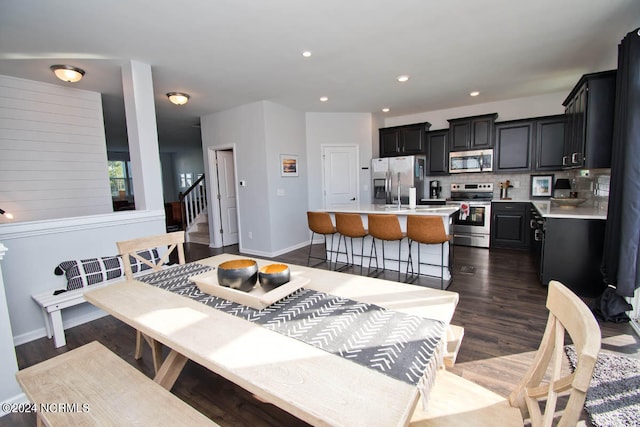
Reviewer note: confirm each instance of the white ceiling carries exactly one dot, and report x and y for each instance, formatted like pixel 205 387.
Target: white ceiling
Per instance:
pixel 226 53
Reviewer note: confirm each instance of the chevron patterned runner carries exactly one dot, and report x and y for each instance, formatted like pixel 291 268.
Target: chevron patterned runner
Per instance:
pixel 399 345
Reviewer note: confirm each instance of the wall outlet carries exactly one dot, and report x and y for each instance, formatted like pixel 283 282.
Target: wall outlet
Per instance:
pixel 280 192
pixel 516 184
pixel 250 234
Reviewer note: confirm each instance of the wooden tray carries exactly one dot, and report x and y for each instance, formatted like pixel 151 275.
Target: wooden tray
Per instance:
pixel 256 298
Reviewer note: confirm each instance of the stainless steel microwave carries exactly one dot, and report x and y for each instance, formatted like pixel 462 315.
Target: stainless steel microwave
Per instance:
pixel 471 161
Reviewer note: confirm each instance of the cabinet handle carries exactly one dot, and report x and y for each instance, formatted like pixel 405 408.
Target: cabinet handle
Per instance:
pixel 564 160
pixel 532 223
pixel 537 235
pixel 574 158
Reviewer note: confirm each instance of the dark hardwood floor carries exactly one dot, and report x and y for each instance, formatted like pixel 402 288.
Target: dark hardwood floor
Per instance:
pixel 501 308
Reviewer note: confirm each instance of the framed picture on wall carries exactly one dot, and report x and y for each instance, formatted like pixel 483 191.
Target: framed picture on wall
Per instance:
pixel 542 185
pixel 288 165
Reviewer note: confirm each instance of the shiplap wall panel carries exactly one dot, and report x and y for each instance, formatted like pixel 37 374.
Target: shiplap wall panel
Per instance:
pixel 53 157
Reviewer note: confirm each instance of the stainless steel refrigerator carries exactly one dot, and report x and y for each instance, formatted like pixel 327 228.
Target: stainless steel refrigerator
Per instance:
pixel 396 175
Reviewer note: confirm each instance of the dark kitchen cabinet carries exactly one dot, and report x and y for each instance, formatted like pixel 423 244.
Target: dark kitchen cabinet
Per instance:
pixel 549 143
pixel 403 140
pixel 509 225
pixel 514 145
pixel 472 133
pixel 438 152
pixel 572 253
pixel 589 111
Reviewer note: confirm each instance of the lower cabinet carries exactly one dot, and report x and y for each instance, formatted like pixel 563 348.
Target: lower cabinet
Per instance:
pixel 510 225
pixel 572 253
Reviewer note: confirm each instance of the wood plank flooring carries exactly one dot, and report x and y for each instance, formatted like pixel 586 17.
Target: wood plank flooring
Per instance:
pixel 501 308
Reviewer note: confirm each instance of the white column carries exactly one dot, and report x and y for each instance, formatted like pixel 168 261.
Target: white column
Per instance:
pixel 137 86
pixel 9 389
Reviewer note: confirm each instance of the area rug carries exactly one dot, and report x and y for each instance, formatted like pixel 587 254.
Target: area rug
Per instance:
pixel 613 398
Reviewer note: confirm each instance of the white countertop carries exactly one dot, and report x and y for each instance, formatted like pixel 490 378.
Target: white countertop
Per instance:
pixel 445 210
pixel 589 210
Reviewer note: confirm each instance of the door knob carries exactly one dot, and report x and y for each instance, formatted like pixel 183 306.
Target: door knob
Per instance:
pixel 352 199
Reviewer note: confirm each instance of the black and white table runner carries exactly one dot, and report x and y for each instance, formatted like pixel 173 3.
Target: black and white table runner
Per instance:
pixel 402 346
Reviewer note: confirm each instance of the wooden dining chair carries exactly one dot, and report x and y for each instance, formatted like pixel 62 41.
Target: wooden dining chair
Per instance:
pixel 456 401
pixel 129 249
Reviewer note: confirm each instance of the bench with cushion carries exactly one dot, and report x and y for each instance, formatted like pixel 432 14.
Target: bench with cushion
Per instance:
pixel 93 386
pixel 81 274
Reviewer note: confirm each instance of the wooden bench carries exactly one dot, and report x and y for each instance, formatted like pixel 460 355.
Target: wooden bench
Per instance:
pixel 93 386
pixel 52 306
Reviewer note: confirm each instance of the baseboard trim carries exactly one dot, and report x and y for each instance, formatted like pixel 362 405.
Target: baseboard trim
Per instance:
pixel 277 253
pixel 17 400
pixel 42 332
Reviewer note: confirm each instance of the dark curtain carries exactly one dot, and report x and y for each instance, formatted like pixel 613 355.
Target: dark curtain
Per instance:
pixel 622 233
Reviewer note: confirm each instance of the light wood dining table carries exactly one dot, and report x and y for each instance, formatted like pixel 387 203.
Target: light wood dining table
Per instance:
pixel 312 384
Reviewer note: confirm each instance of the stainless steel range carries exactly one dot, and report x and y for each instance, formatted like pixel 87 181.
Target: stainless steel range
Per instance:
pixel 472 224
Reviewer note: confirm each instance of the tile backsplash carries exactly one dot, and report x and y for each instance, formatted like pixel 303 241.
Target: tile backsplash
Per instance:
pixel 589 184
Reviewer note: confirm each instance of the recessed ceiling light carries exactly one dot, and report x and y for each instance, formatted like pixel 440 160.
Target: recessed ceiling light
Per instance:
pixel 324 99
pixel 474 93
pixel 385 110
pixel 403 78
pixel 306 53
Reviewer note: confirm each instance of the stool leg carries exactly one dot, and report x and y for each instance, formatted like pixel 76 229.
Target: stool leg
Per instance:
pixel 399 263
pixel 442 266
pixel 310 247
pixel 371 252
pixel 330 251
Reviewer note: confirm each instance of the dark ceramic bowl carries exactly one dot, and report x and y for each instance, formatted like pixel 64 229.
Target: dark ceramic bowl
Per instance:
pixel 273 275
pixel 238 274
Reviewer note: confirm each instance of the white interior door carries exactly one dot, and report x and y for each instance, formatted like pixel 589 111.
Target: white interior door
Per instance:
pixel 340 164
pixel 227 197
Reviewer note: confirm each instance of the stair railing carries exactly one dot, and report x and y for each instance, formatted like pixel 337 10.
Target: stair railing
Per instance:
pixel 194 201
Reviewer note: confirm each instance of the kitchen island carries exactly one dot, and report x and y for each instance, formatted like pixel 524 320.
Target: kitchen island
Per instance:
pixel 428 253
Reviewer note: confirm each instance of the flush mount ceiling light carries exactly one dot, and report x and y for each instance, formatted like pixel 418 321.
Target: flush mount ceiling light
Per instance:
pixel 403 78
pixel 67 73
pixel 324 99
pixel 178 98
pixel 306 53
pixel 474 93
pixel 385 110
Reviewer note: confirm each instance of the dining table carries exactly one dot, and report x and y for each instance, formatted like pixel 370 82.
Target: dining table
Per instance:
pixel 318 386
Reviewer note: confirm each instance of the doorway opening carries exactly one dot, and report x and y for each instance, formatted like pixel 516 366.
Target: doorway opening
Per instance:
pixel 224 205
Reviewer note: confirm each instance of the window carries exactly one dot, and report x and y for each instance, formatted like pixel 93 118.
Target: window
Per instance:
pixel 120 178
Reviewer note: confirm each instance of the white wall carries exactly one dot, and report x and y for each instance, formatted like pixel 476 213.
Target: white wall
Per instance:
pixel 53 156
pixel 36 248
pixel 511 109
pixel 338 129
pixel 285 134
pixel 243 127
pixel 9 389
pixel 188 160
pixel 271 208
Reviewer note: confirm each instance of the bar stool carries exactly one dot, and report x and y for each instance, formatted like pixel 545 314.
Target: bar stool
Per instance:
pixel 320 223
pixel 386 228
pixel 350 225
pixel 428 230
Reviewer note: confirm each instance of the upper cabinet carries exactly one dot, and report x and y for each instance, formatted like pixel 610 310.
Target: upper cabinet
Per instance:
pixel 514 145
pixel 530 144
pixel 549 146
pixel 438 152
pixel 472 133
pixel 589 111
pixel 403 140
